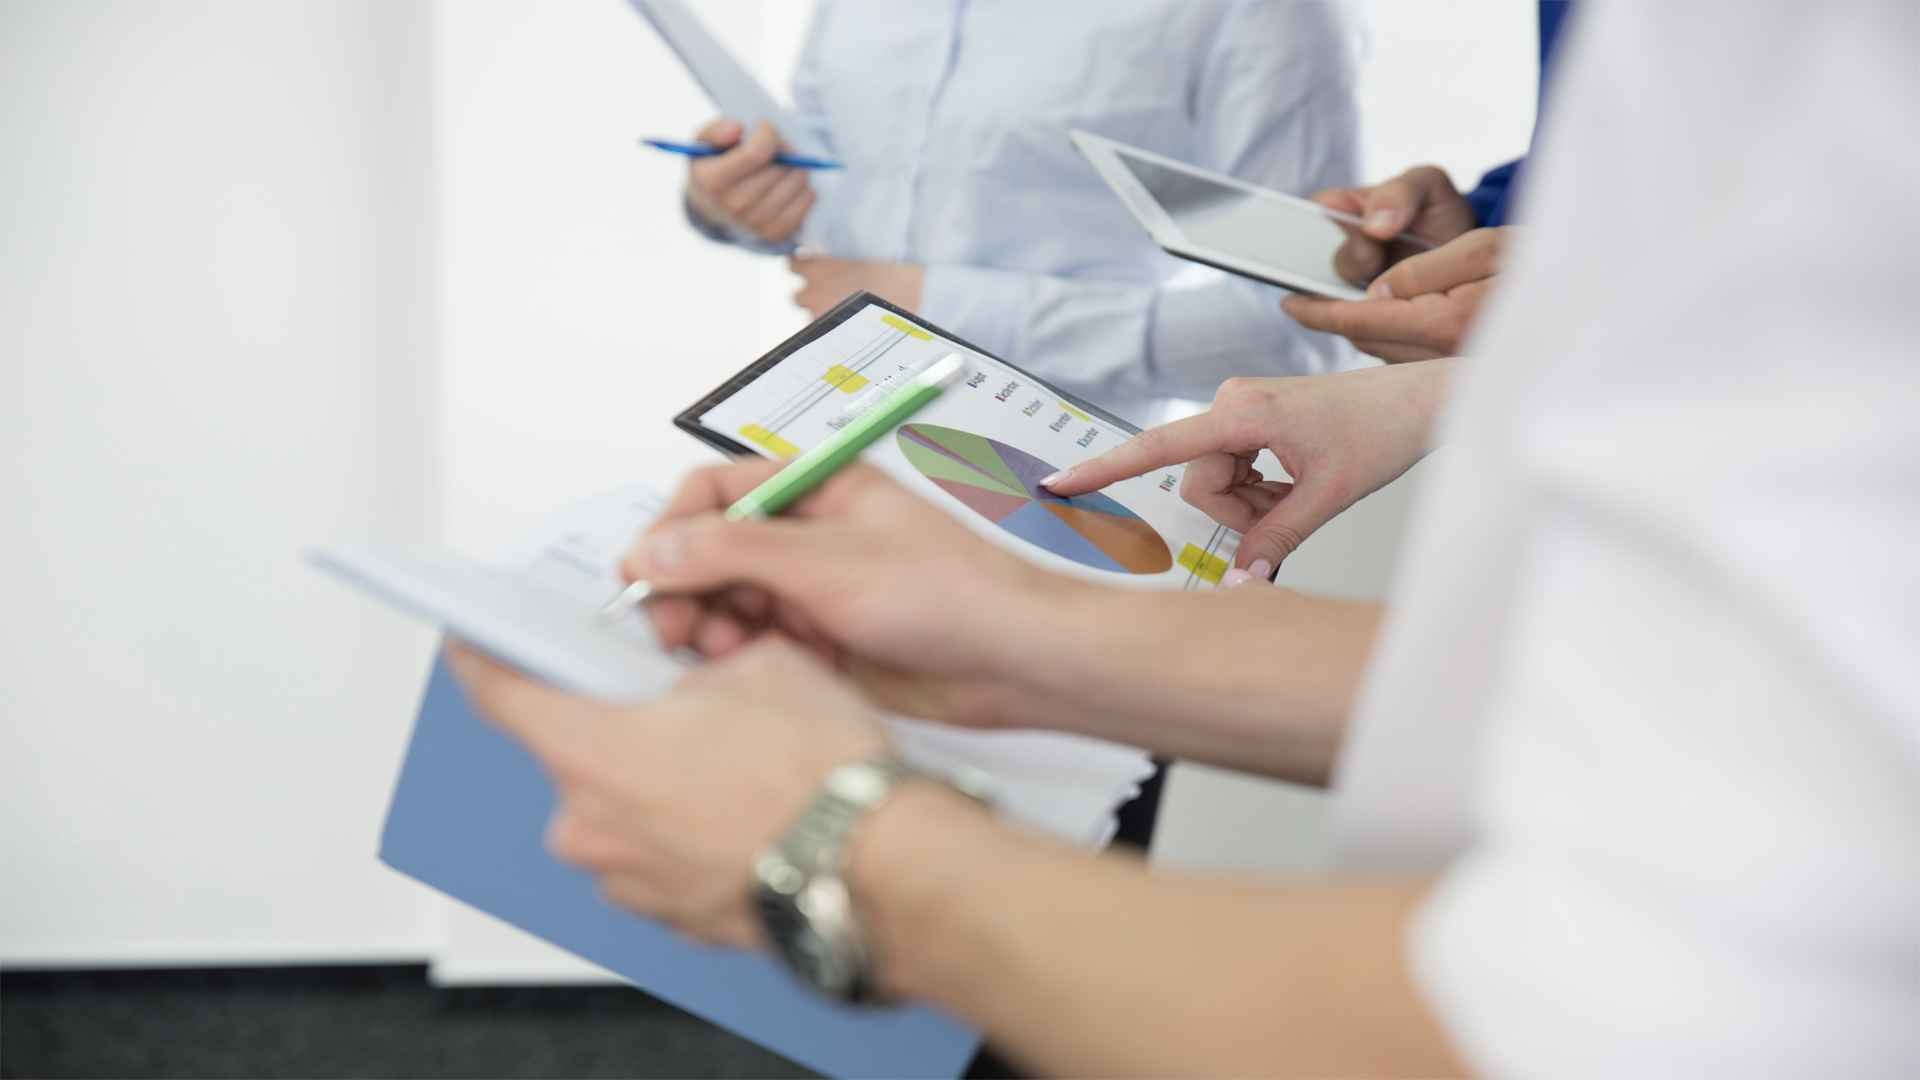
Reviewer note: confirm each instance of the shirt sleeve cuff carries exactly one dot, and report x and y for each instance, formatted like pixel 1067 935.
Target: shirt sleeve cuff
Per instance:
pixel 987 307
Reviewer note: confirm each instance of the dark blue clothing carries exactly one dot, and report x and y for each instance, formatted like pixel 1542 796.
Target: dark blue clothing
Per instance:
pixel 1494 195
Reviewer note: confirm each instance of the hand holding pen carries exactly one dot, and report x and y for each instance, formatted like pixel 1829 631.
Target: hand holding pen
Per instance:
pixel 737 179
pixel 864 423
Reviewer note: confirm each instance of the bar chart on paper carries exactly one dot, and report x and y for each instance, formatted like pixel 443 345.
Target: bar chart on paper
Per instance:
pixel 1002 484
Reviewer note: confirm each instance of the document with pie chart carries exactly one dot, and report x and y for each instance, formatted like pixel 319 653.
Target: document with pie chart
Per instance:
pixel 1002 484
pixel 980 450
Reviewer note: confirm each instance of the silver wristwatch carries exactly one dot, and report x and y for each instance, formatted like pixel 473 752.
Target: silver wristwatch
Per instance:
pixel 799 888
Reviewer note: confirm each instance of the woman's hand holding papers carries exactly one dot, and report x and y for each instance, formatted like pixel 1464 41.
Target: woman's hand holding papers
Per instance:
pixel 1340 437
pixel 668 803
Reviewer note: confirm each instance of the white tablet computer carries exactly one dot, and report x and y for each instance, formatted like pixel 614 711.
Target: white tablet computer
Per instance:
pixel 1225 223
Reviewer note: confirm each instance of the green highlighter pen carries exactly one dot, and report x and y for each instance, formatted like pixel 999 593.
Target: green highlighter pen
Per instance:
pixel 811 469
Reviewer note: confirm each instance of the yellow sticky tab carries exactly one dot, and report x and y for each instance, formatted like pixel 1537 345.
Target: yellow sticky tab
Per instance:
pixel 1076 413
pixel 1204 566
pixel 843 378
pixel 905 327
pixel 774 444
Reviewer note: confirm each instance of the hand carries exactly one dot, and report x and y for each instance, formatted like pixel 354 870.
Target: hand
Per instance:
pixel 1421 201
pixel 667 804
pixel 1341 437
pixel 825 282
pixel 862 570
pixel 1420 309
pixel 743 188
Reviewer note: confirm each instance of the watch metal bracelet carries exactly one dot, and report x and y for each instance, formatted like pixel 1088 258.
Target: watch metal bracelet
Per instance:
pixel 800 890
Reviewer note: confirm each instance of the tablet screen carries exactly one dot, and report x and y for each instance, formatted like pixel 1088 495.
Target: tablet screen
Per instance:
pixel 1291 236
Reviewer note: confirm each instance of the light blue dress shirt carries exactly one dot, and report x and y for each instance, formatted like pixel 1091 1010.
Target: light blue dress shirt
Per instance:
pixel 951 117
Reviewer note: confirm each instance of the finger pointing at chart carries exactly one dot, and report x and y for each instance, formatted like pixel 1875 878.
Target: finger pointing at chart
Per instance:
pixel 1219 451
pixel 1339 437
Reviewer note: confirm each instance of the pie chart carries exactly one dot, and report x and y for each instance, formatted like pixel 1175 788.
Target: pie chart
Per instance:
pixel 1002 484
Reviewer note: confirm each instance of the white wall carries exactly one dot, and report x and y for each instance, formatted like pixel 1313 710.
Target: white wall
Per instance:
pixel 579 313
pixel 210 301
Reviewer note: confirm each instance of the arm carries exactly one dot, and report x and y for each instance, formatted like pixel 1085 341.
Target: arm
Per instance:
pixel 1090 966
pixel 1273 101
pixel 986 639
pixel 1269 693
pixel 1084 965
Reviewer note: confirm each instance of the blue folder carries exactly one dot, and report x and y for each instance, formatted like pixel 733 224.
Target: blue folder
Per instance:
pixel 469 818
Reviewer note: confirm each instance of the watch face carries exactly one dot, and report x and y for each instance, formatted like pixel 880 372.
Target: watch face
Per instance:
pixel 820 962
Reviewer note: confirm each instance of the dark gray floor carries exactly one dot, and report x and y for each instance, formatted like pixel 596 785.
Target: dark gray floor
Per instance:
pixel 349 1022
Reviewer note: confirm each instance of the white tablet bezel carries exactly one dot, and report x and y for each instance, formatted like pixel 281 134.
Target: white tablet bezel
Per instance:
pixel 1104 155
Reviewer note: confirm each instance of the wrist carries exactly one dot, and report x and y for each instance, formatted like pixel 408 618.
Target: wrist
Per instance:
pixel 699 211
pixel 912 867
pixel 1031 625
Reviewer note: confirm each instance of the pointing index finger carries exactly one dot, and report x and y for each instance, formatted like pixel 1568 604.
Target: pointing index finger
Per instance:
pixel 1169 444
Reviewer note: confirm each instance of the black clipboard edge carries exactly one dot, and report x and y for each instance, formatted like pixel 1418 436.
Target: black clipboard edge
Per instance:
pixel 689 418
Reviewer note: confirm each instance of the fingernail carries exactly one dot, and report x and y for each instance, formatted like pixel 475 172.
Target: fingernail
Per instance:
pixel 1234 578
pixel 1380 289
pixel 1381 220
pixel 666 550
pixel 1261 569
pixel 1055 478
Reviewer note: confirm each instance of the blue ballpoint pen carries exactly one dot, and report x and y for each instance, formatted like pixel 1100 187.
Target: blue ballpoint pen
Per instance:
pixel 699 150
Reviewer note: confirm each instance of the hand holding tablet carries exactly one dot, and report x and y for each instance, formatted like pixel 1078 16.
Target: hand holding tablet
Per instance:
pixel 1214 219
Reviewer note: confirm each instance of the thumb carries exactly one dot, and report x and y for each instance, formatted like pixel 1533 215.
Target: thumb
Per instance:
pixel 553 724
pixel 1281 532
pixel 1390 208
pixel 1394 205
pixel 721 133
pixel 1472 256
pixel 784 555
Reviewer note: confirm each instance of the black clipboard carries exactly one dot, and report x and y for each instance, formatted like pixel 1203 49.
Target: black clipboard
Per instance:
pixel 689 418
